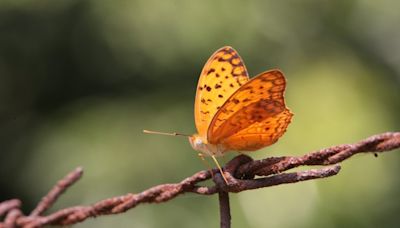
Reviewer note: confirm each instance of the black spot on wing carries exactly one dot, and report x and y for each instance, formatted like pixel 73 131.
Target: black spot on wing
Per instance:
pixel 210 71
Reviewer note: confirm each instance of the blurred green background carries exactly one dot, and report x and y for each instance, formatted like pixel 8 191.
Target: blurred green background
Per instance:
pixel 80 79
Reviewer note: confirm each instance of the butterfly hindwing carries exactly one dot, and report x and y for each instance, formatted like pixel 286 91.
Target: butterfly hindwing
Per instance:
pixel 259 134
pixel 254 115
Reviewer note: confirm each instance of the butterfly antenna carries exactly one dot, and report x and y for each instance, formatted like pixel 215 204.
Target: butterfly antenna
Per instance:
pixel 165 133
pixel 220 169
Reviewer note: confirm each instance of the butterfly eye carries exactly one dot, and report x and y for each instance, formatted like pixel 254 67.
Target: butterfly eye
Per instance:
pixel 198 142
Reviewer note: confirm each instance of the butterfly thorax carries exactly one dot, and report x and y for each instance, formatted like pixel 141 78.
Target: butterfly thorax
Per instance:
pixel 201 144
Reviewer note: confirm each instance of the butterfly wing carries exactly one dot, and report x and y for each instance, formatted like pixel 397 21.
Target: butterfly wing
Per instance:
pixel 259 134
pixel 254 116
pixel 222 75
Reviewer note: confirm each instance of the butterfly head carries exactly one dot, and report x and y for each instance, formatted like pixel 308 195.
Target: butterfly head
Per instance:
pixel 197 142
pixel 200 144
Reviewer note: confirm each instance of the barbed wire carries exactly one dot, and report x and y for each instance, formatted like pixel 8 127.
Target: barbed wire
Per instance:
pixel 240 173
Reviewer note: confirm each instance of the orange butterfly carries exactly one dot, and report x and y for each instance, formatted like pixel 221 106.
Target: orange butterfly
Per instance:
pixel 233 112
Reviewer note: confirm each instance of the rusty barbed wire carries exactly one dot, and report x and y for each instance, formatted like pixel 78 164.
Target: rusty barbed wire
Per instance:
pixel 240 172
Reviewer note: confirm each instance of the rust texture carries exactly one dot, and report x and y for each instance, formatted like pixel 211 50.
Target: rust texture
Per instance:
pixel 240 172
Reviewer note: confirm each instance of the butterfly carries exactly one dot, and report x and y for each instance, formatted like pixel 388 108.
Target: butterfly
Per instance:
pixel 233 112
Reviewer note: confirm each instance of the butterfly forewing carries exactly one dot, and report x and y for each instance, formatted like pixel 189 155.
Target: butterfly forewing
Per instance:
pixel 257 106
pixel 223 74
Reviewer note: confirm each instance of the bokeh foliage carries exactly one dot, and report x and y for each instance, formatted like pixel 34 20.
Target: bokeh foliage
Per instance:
pixel 80 79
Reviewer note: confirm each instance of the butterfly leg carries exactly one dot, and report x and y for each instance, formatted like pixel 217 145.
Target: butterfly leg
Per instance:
pixel 220 169
pixel 201 156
